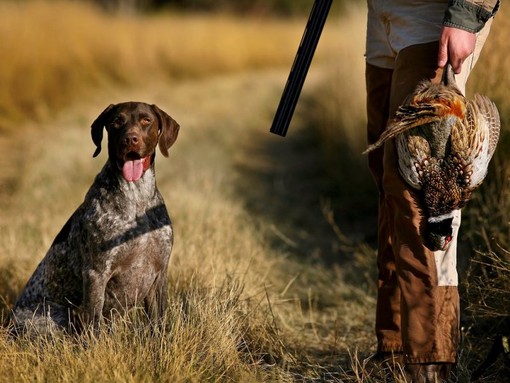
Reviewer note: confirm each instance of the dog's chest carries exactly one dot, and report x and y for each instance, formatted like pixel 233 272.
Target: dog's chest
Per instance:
pixel 129 245
pixel 112 225
pixel 122 222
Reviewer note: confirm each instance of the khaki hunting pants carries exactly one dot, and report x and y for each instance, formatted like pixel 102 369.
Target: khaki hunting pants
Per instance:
pixel 418 301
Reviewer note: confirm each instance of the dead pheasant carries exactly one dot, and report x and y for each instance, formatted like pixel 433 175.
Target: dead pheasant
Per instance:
pixel 444 144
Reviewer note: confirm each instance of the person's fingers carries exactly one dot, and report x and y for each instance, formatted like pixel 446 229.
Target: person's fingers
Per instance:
pixel 442 56
pixel 456 64
pixel 455 45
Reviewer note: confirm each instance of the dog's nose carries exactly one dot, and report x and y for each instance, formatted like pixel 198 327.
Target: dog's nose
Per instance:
pixel 131 139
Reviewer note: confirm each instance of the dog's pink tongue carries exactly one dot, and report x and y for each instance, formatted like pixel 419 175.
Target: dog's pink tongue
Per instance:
pixel 132 170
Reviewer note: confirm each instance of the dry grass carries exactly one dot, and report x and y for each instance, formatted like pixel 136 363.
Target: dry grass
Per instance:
pixel 60 51
pixel 295 313
pixel 244 306
pixel 273 268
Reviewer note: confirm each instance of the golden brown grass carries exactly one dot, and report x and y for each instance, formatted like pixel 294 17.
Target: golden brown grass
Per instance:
pixel 60 51
pixel 247 302
pixel 273 267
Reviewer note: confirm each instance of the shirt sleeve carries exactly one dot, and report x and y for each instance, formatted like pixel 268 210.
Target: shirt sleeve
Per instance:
pixel 469 15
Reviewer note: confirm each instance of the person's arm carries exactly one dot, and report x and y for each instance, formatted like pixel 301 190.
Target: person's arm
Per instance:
pixel 463 19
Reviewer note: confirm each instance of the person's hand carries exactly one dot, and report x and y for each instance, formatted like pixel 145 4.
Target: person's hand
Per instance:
pixel 455 45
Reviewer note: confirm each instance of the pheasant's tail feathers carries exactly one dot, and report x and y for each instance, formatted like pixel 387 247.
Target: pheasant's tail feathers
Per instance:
pixel 406 118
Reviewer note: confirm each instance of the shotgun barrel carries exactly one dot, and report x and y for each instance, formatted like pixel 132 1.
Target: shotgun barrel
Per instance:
pixel 299 69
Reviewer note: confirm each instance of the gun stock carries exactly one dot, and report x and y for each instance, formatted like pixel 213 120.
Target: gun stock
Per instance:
pixel 299 69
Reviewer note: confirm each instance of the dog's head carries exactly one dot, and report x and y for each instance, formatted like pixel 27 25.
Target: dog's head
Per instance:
pixel 134 130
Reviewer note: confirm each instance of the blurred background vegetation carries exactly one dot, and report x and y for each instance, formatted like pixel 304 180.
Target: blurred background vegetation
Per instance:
pixel 260 7
pixel 59 49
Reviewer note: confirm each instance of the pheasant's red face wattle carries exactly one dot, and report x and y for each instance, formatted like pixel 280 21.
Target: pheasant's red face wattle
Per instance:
pixel 458 108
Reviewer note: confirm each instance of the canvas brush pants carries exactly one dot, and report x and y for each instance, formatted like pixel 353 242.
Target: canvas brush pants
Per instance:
pixel 418 300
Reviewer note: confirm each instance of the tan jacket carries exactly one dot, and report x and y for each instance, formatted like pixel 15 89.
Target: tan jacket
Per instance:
pixel 470 15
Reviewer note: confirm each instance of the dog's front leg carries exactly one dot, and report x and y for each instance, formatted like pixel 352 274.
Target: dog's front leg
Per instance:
pixel 94 286
pixel 156 301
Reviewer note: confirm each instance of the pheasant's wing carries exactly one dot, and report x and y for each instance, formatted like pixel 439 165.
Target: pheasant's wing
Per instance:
pixel 408 117
pixel 488 117
pixel 414 158
pixel 474 139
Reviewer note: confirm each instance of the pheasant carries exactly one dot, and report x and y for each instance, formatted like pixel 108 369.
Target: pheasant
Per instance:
pixel 444 144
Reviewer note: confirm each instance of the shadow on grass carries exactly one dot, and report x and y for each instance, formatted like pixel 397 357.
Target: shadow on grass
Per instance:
pixel 319 207
pixel 293 184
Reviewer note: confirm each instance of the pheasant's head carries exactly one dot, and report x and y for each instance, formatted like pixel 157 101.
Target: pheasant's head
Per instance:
pixel 439 232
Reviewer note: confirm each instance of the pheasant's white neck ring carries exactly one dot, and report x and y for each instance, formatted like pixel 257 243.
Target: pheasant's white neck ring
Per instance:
pixel 439 218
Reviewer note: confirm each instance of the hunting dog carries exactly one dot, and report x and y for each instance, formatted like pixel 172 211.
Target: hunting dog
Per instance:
pixel 113 253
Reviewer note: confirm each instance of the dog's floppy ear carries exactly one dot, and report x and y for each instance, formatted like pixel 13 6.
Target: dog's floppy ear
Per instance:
pixel 169 128
pixel 97 129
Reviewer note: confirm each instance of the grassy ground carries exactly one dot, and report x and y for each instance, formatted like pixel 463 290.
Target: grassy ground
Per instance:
pixel 252 296
pixel 272 274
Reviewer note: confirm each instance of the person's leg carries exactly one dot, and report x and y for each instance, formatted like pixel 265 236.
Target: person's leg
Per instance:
pixel 429 312
pixel 470 62
pixel 399 220
pixel 427 280
pixel 387 326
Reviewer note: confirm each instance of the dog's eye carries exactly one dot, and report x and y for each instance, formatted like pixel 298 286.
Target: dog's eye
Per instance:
pixel 116 122
pixel 146 120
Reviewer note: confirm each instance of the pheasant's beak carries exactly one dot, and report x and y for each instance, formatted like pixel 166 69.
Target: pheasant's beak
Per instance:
pixel 447 240
pixel 438 233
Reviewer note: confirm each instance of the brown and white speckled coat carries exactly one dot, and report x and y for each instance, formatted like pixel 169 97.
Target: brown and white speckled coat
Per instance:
pixel 113 253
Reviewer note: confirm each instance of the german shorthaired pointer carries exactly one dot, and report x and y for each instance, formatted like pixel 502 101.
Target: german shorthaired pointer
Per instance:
pixel 113 253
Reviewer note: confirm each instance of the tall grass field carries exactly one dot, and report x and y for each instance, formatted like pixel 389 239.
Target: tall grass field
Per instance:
pixel 272 277
pixel 58 51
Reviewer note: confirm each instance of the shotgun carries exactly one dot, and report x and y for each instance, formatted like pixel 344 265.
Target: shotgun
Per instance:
pixel 299 69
